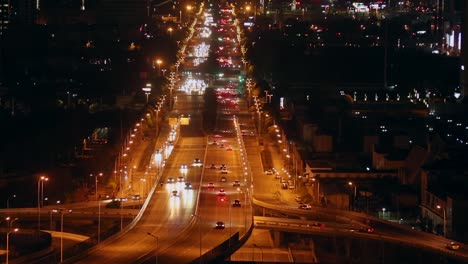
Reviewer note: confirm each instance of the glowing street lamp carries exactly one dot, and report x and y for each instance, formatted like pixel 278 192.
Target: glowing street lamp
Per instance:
pixel 147 90
pixel 159 62
pixel 62 212
pixel 99 203
pixel 8 243
pixel 170 31
pixel 444 218
pixel 354 194
pixel 40 195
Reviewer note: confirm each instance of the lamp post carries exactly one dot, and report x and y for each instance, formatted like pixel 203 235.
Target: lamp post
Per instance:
pixel 170 32
pixel 8 202
pixel 62 212
pixel 189 8
pixel 318 189
pixel 157 246
pixel 354 194
pixel 99 204
pixel 159 62
pixel 8 243
pixel 147 90
pixel 444 219
pixel 157 120
pixel 39 184
pixel 170 97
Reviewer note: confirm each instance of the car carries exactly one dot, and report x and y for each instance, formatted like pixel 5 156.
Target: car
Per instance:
pixel 277 176
pixel 236 203
pixel 453 245
pixel 219 225
pixel 284 186
pixel 269 172
pixel 223 179
pixel 210 185
pixel 136 197
pixel 170 180
pixel 197 162
pixel 183 167
pixel 236 184
pixel 175 193
pixel 229 148
pixel 221 146
pixel 298 199
pixel 224 171
pixel 188 186
pixel 317 224
pixel 212 166
pixel 222 166
pixel 180 179
pixel 305 206
pixel 217 136
pixel 221 192
pixel 366 229
pixel 214 142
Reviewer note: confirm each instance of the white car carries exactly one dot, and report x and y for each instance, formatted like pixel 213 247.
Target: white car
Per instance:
pixel 197 162
pixel 224 171
pixel 269 172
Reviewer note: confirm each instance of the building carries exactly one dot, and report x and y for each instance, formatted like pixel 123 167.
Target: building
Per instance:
pixel 5 10
pixel 443 198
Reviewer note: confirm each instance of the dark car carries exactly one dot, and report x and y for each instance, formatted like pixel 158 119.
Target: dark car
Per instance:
pixel 367 230
pixel 219 225
pixel 453 246
pixel 188 186
pixel 236 203
pixel 317 224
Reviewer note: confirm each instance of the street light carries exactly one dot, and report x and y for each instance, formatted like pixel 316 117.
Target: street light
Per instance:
pixel 40 183
pixel 170 32
pixel 444 218
pixel 8 202
pixel 157 120
pixel 318 189
pixel 99 204
pixel 354 196
pixel 8 244
pixel 159 62
pixel 189 8
pixel 170 97
pixel 157 245
pixel 147 90
pixel 62 212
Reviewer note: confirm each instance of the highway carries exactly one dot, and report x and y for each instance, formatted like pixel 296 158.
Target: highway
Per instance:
pixel 177 223
pixel 171 227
